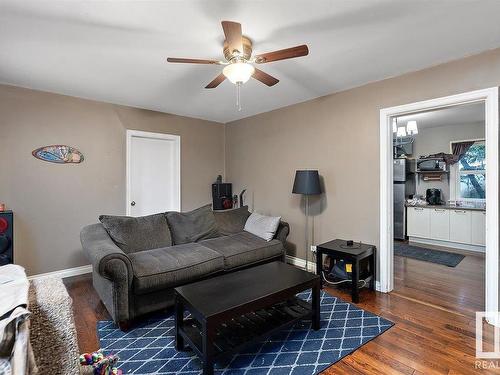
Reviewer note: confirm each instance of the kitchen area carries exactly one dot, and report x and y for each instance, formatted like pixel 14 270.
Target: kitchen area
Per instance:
pixel 439 181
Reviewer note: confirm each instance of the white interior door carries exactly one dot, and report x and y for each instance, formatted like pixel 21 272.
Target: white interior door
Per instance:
pixel 153 173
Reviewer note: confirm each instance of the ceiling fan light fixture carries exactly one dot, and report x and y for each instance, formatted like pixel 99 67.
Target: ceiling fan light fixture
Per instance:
pixel 238 72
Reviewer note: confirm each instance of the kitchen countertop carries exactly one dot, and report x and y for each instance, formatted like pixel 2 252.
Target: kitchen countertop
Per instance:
pixel 448 207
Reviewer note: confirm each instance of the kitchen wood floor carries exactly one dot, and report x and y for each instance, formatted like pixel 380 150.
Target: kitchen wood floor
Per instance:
pixel 433 307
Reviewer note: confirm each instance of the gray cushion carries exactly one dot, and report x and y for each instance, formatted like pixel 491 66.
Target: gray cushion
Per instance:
pixel 172 266
pixel 132 234
pixel 231 221
pixel 262 226
pixel 244 248
pixel 192 226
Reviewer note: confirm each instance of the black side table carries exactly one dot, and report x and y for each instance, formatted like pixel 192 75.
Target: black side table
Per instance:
pixel 338 249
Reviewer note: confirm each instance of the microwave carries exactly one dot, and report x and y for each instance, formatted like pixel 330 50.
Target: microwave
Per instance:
pixel 431 164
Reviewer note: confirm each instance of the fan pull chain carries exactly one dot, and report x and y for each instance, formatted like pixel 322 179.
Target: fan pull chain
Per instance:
pixel 238 95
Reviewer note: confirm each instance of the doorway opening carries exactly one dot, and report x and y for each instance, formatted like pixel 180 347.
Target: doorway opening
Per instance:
pixel 461 187
pixel 439 175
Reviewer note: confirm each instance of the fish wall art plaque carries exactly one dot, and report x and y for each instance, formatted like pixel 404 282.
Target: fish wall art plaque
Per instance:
pixel 60 154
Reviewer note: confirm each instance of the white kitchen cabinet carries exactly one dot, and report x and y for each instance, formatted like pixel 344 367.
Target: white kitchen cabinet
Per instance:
pixel 418 222
pixel 478 227
pixel 460 226
pixel 440 224
pixel 447 226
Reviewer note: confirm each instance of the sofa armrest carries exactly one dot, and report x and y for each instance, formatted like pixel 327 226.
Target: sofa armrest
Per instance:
pixel 282 232
pixel 107 259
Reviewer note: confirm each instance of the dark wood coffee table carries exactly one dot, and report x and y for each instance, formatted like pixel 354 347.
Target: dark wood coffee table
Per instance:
pixel 231 311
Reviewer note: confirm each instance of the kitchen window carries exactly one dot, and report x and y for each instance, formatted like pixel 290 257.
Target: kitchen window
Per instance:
pixel 470 181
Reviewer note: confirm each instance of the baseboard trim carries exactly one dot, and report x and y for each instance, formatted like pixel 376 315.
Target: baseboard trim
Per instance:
pixel 454 245
pixel 64 273
pixel 76 271
pixel 301 263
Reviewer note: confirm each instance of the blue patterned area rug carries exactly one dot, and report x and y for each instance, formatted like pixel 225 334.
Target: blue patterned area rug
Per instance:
pixel 149 347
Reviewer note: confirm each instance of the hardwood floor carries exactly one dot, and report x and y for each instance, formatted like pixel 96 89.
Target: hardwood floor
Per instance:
pixel 433 307
pixel 457 289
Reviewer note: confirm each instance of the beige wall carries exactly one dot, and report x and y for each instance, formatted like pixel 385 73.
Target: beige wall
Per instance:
pixel 339 135
pixel 434 140
pixel 53 202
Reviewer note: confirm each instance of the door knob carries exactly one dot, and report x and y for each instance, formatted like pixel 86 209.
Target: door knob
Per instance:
pixel 132 203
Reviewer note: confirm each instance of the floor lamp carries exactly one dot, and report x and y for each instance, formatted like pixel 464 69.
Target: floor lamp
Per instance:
pixel 307 183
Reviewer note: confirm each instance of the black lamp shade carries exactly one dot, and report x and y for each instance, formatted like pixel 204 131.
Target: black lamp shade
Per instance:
pixel 307 183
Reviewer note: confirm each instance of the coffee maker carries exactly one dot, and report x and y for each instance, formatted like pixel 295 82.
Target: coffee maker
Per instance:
pixel 433 197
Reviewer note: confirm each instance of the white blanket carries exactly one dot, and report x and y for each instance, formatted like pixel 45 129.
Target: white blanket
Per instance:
pixel 16 357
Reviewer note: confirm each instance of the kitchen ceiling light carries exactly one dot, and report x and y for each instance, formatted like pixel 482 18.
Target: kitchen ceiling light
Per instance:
pixel 411 127
pixel 239 72
pixel 401 132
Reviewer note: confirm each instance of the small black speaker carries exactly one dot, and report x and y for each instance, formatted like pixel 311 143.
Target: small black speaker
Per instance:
pixel 6 237
pixel 222 196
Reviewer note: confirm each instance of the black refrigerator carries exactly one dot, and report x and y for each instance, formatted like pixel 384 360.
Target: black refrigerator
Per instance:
pixel 403 188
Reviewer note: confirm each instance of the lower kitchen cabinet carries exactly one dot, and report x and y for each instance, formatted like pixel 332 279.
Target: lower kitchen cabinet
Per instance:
pixel 478 234
pixel 440 224
pixel 447 226
pixel 460 226
pixel 418 222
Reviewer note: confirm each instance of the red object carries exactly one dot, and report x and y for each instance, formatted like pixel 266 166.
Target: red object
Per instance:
pixel 88 358
pixel 4 225
pixel 227 203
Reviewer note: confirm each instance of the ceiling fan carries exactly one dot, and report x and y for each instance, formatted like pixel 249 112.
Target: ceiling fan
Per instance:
pixel 238 55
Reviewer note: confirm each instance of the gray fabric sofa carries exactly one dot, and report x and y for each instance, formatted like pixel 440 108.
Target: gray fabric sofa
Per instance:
pixel 134 273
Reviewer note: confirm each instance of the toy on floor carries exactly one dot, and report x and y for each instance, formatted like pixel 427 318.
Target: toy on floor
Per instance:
pixel 98 364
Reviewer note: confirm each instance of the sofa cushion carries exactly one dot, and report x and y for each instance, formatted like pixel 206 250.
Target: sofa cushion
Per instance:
pixel 132 234
pixel 231 221
pixel 243 248
pixel 192 226
pixel 262 226
pixel 172 266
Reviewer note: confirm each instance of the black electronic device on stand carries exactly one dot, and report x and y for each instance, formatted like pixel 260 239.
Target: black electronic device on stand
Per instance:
pixel 6 237
pixel 222 195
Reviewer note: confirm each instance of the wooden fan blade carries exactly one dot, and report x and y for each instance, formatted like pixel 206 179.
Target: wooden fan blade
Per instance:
pixel 232 31
pixel 216 82
pixel 265 78
pixel 287 53
pixel 191 61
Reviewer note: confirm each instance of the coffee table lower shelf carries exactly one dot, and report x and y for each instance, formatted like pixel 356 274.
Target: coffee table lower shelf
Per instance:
pixel 247 329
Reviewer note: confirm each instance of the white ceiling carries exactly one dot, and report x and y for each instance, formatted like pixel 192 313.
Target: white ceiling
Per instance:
pixel 115 51
pixel 456 115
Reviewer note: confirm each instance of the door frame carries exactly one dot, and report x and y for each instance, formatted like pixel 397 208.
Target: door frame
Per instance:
pixel 490 98
pixel 143 134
